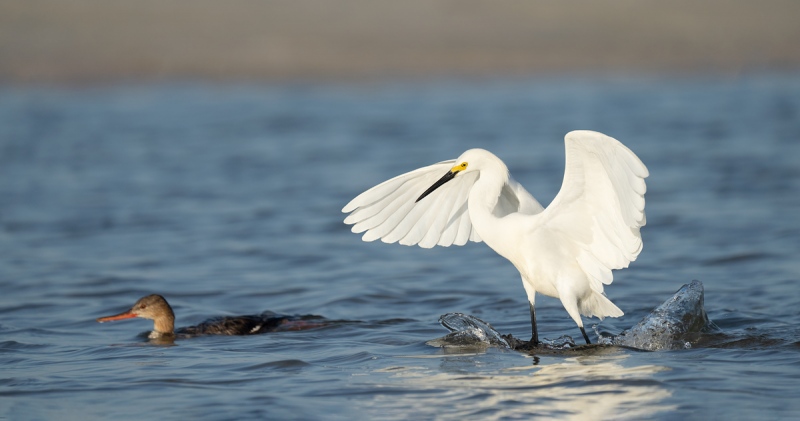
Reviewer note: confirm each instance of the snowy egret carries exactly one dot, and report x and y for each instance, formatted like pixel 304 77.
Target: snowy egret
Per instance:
pixel 566 251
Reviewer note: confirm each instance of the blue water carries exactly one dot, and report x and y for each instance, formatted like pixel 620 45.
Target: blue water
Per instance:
pixel 226 200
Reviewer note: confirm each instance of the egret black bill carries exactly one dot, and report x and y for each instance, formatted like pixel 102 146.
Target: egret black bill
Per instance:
pixel 447 177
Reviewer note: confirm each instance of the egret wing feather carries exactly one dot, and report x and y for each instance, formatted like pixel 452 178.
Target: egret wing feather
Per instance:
pixel 600 206
pixel 464 227
pixel 393 214
pixel 514 198
pixel 447 207
pixel 418 221
pixel 450 234
pixel 387 187
pixel 389 211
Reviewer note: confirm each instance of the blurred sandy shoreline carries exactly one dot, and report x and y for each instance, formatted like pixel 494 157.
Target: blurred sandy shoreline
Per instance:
pixel 91 41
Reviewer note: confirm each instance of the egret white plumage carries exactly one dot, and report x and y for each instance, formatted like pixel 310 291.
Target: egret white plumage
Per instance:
pixel 566 251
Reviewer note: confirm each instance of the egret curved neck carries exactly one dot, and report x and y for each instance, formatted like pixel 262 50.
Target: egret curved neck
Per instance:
pixel 495 232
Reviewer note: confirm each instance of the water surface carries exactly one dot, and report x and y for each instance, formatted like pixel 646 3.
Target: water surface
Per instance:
pixel 226 200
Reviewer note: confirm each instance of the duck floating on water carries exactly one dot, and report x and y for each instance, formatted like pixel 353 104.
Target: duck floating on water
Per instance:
pixel 156 308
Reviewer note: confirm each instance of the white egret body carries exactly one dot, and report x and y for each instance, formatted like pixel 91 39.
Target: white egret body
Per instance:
pixel 566 251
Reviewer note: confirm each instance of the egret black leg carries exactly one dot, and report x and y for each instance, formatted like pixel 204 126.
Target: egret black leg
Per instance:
pixel 534 330
pixel 585 336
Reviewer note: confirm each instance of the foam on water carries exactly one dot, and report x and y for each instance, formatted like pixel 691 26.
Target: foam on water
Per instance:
pixel 675 324
pixel 468 331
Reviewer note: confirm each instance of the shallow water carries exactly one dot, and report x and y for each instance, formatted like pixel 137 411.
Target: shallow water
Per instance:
pixel 226 200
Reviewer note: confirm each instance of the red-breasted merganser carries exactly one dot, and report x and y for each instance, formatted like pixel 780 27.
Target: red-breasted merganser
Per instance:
pixel 156 308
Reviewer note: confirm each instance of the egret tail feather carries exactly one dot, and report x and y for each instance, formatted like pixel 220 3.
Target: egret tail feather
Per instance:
pixel 598 305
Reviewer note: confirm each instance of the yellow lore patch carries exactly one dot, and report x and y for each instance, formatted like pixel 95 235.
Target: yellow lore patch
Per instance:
pixel 460 167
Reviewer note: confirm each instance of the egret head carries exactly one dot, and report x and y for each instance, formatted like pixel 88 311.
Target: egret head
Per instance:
pixel 469 161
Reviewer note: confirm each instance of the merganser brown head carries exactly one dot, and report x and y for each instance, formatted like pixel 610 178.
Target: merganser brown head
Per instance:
pixel 153 307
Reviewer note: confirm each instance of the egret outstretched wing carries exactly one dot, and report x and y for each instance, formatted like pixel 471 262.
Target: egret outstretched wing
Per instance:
pixel 388 211
pixel 600 206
